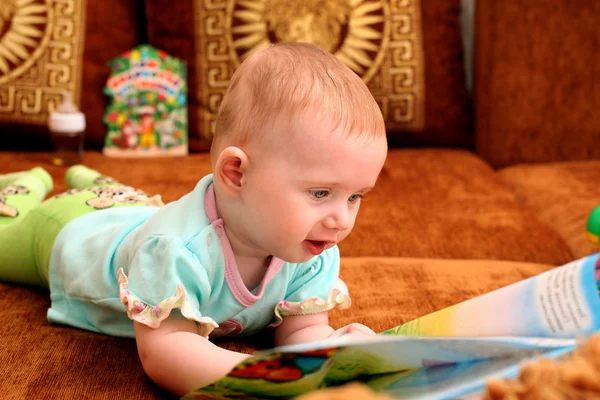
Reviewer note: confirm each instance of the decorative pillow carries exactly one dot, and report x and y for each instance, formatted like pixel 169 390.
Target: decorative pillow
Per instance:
pixel 40 56
pixel 42 53
pixel 407 51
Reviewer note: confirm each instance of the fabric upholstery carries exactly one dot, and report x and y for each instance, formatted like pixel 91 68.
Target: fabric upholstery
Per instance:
pixel 427 203
pixel 40 360
pixel 562 195
pixel 409 53
pixel 448 204
pixel 420 286
pixel 536 86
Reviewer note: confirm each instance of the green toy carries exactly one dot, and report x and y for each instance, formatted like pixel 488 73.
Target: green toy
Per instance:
pixel 593 226
pixel 29 224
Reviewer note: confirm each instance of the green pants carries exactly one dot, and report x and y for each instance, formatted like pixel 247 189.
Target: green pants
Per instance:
pixel 28 226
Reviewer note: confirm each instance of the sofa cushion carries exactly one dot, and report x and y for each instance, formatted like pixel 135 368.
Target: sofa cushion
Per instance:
pixel 388 291
pixel 536 87
pixel 427 203
pixel 62 45
pixel 449 204
pixel 562 195
pixel 39 360
pixel 409 55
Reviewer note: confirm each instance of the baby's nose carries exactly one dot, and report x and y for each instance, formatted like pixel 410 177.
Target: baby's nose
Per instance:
pixel 340 219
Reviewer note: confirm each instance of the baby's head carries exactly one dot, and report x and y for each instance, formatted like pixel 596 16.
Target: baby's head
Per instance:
pixel 298 142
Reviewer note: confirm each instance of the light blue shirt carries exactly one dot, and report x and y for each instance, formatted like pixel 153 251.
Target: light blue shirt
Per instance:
pixel 177 257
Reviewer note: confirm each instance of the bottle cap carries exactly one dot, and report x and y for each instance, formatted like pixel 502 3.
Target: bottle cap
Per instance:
pixel 66 119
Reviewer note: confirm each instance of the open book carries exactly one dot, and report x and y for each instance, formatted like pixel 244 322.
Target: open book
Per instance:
pixel 446 354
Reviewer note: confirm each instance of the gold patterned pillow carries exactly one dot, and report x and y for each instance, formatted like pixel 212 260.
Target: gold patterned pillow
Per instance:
pixel 42 52
pixel 409 55
pixel 41 46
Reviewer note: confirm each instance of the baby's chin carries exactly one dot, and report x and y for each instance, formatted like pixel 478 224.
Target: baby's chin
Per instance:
pixel 297 259
pixel 299 255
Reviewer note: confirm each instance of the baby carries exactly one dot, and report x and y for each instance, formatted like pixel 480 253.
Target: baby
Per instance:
pixel 299 141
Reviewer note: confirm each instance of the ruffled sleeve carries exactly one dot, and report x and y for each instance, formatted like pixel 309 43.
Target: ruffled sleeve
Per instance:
pixel 164 275
pixel 314 288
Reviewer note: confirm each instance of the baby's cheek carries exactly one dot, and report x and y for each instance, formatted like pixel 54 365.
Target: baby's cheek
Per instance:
pixel 300 226
pixel 298 218
pixel 284 226
pixel 343 235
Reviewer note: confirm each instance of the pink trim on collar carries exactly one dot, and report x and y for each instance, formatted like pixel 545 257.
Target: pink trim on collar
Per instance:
pixel 232 273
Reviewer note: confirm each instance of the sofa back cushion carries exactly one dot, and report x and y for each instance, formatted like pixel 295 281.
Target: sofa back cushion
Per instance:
pixel 407 51
pixel 537 92
pixel 48 47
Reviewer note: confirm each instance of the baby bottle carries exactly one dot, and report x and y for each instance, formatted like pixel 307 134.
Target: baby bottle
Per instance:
pixel 66 125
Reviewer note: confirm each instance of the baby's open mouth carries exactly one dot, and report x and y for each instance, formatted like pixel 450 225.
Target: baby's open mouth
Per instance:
pixel 315 247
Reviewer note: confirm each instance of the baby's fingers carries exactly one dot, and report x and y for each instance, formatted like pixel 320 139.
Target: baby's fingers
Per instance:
pixel 338 332
pixel 353 329
pixel 360 328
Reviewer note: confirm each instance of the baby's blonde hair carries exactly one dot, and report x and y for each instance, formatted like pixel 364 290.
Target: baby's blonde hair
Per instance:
pixel 286 79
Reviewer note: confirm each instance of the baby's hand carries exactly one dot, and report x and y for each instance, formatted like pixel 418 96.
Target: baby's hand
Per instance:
pixel 353 329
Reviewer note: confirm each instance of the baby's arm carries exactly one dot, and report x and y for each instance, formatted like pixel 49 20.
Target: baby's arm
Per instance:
pixel 178 359
pixel 312 327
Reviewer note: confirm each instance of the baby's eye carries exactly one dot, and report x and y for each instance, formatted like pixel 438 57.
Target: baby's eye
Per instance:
pixel 354 197
pixel 319 194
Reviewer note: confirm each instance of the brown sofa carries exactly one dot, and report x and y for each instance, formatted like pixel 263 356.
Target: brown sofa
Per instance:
pixel 479 190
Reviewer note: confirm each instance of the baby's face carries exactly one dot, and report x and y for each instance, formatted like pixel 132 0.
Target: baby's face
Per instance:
pixel 302 196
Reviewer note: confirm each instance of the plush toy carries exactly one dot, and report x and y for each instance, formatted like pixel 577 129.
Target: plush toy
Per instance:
pixel 352 390
pixel 575 377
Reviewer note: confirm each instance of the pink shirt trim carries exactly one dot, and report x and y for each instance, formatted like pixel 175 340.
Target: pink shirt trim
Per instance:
pixel 232 273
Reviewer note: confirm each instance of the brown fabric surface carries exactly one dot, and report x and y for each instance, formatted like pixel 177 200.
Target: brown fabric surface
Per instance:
pixel 389 291
pixel 414 70
pixel 449 204
pixel 536 86
pixel 169 177
pixel 100 31
pixel 562 195
pixel 427 203
pixel 39 360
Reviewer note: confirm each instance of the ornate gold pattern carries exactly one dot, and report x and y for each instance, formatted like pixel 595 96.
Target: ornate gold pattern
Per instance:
pixel 41 49
pixel 400 87
pixel 380 40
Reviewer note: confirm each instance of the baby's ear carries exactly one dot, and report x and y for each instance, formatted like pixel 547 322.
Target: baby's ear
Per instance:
pixel 230 168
